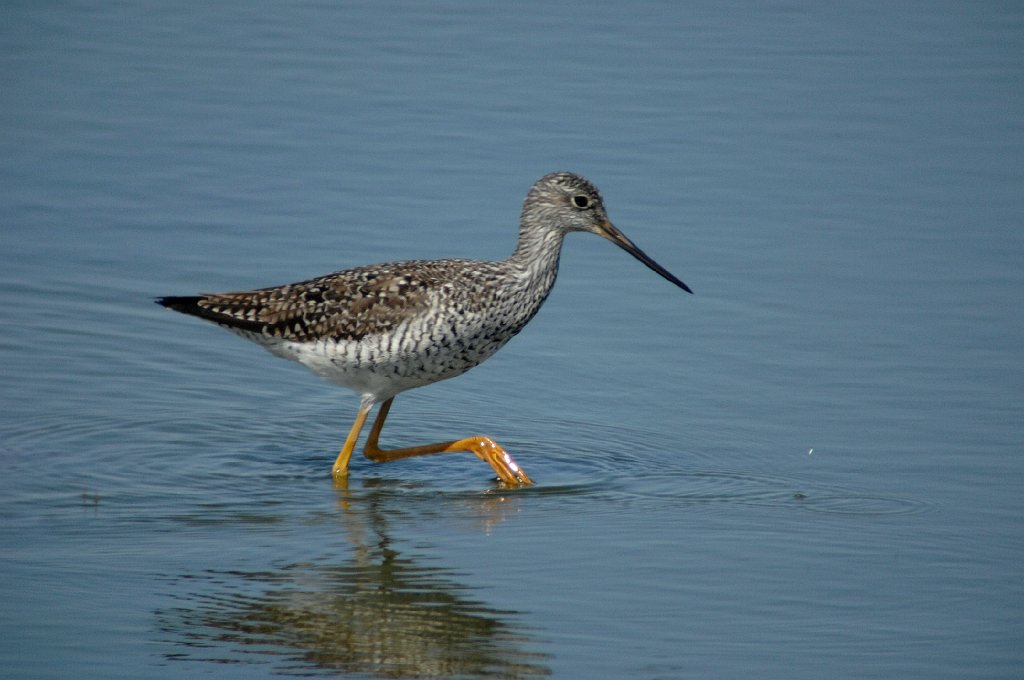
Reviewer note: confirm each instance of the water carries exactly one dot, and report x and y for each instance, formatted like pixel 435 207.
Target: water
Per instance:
pixel 813 463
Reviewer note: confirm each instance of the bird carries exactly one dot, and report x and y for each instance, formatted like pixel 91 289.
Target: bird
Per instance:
pixel 383 329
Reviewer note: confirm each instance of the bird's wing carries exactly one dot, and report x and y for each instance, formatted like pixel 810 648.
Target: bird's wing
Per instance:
pixel 346 305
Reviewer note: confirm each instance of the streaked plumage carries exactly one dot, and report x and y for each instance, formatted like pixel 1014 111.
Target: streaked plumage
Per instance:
pixel 386 328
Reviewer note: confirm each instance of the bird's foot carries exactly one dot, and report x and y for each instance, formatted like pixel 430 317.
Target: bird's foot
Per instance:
pixel 491 452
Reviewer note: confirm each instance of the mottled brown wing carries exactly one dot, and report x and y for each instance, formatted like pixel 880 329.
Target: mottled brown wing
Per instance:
pixel 345 305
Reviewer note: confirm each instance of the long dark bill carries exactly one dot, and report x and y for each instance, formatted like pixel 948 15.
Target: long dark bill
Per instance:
pixel 611 233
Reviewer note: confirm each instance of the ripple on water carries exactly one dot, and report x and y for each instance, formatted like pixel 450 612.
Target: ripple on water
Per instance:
pixel 621 465
pixel 149 451
pixel 853 504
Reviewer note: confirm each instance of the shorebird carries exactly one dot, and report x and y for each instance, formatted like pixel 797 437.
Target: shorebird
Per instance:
pixel 386 328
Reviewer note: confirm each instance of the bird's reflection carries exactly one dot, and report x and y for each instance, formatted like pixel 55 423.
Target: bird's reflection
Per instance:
pixel 378 613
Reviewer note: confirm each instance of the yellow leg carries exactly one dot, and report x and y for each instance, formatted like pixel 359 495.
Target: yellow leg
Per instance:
pixel 484 448
pixel 340 469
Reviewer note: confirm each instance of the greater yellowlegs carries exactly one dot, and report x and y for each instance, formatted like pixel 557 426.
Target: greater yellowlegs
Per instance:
pixel 385 328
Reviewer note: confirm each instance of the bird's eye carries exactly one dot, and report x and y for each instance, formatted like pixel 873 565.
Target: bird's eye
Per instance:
pixel 581 201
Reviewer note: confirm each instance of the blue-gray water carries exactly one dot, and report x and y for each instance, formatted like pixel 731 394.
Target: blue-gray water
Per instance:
pixel 811 467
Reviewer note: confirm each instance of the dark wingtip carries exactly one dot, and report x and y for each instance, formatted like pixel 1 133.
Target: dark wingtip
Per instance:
pixel 188 304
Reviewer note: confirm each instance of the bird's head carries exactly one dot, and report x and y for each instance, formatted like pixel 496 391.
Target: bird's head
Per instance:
pixel 566 202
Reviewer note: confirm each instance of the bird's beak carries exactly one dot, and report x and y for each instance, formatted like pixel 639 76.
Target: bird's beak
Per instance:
pixel 609 231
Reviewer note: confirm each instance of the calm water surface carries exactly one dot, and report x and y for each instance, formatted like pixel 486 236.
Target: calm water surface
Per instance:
pixel 813 463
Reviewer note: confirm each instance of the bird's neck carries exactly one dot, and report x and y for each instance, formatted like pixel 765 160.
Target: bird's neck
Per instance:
pixel 537 255
pixel 533 269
